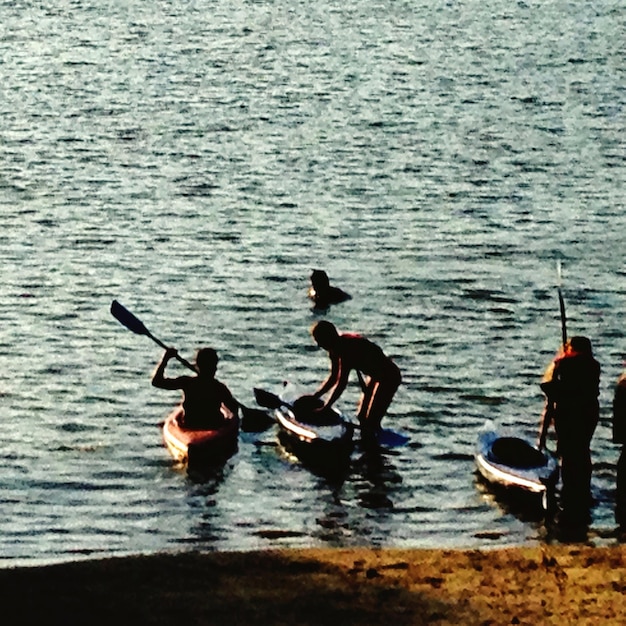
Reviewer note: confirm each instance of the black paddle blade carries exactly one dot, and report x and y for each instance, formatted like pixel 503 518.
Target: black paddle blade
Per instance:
pixel 126 318
pixel 267 399
pixel 255 420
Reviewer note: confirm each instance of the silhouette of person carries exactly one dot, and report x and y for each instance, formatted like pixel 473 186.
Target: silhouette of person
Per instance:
pixel 619 436
pixel 322 293
pixel 347 352
pixel 572 389
pixel 203 394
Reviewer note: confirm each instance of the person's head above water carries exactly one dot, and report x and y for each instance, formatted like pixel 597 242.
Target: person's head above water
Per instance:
pixel 319 279
pixel 581 344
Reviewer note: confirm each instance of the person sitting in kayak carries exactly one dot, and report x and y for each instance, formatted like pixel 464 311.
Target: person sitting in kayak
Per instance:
pixel 203 394
pixel 347 352
pixel 572 387
pixel 323 293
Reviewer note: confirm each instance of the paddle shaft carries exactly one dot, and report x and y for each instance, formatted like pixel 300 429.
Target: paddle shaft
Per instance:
pixel 134 324
pixel 561 307
pixel 563 319
pixel 179 358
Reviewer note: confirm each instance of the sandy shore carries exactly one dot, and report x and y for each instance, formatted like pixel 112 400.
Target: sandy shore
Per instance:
pixel 542 585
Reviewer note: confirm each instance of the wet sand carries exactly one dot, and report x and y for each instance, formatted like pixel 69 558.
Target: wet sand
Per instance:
pixel 537 585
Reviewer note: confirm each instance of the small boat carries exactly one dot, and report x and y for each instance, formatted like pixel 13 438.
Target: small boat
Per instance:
pixel 322 441
pixel 201 447
pixel 515 464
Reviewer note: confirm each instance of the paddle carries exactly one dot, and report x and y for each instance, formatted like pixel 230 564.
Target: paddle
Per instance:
pixel 386 437
pixel 134 324
pixel 545 386
pixel 126 318
pixel 561 306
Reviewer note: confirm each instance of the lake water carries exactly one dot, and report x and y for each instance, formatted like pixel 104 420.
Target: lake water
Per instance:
pixel 196 159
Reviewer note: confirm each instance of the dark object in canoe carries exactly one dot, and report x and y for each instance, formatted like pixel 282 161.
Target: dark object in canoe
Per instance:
pixel 252 422
pixel 321 440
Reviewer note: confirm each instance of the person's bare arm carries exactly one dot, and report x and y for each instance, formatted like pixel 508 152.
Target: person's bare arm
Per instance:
pixel 340 385
pixel 158 377
pixel 332 379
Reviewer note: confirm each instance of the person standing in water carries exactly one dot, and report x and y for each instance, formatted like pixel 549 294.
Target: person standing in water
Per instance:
pixel 349 352
pixel 572 388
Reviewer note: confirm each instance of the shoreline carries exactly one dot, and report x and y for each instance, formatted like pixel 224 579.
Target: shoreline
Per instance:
pixel 519 585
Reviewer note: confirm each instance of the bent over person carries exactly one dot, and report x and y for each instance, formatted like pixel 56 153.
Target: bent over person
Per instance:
pixel 347 352
pixel 572 406
pixel 203 394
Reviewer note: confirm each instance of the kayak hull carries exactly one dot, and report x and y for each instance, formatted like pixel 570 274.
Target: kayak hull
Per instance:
pixel 201 447
pixel 323 443
pixel 515 464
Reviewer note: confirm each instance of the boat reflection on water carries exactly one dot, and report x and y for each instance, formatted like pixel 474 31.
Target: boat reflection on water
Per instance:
pixel 376 478
pixel 208 477
pixel 363 502
pixel 553 523
pixel 524 506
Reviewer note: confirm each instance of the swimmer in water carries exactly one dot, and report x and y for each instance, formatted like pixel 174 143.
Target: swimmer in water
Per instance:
pixel 322 293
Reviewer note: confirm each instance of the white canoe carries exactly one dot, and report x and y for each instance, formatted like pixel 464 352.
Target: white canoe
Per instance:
pixel 512 462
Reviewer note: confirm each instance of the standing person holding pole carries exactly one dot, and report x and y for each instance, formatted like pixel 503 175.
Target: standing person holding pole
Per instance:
pixel 572 387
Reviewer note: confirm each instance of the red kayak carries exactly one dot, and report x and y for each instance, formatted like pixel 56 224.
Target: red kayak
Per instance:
pixel 207 447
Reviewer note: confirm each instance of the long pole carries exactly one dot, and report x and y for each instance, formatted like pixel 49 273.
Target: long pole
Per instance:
pixel 561 305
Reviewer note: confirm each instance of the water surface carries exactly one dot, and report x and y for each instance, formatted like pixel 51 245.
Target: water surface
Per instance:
pixel 197 159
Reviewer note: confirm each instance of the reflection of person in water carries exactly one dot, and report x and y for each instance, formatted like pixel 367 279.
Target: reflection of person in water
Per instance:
pixel 619 436
pixel 323 293
pixel 572 391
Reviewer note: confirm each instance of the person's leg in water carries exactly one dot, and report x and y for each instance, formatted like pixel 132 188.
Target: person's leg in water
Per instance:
pixel 620 494
pixel 576 471
pixel 381 395
pixel 368 387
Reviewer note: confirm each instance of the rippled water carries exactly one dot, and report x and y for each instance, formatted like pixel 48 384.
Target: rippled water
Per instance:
pixel 196 159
